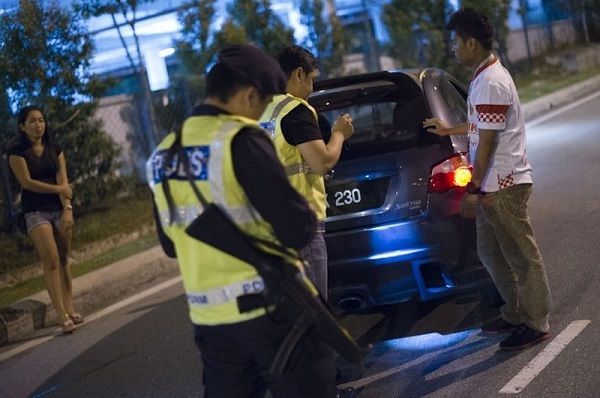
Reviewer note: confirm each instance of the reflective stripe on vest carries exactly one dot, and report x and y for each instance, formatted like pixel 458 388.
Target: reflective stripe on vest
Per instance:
pixel 187 214
pixel 298 168
pixel 225 294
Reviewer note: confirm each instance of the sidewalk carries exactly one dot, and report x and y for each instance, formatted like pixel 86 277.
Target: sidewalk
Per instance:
pixel 91 292
pixel 102 287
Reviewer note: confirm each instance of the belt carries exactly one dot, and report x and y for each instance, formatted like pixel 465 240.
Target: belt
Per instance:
pixel 225 294
pixel 320 226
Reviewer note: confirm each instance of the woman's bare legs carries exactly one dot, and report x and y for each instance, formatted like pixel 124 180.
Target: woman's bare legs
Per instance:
pixel 63 244
pixel 45 245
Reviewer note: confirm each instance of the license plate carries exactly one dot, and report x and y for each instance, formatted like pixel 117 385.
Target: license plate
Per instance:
pixel 356 196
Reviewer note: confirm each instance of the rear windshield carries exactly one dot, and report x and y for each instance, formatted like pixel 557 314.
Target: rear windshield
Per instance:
pixel 385 120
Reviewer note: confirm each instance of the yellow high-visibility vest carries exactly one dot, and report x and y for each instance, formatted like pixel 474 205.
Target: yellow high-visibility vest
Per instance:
pixel 209 275
pixel 308 184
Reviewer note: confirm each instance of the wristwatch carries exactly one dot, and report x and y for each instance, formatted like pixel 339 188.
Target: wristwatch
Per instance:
pixel 68 207
pixel 472 189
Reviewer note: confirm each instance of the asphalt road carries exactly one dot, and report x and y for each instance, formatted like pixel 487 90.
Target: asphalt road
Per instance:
pixel 145 349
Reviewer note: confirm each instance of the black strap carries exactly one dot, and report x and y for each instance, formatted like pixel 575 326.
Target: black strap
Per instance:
pixel 166 184
pixel 190 178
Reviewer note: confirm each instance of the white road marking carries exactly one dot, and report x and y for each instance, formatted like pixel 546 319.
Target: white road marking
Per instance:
pixel 117 306
pixel 535 367
pixel 133 299
pixel 562 109
pixel 24 347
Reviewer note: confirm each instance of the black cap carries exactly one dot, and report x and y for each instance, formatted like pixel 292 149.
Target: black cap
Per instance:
pixel 255 66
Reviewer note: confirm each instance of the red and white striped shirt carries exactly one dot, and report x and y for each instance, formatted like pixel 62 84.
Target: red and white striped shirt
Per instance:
pixel 493 104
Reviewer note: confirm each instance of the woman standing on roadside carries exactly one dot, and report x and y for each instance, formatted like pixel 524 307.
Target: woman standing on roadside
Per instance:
pixel 40 168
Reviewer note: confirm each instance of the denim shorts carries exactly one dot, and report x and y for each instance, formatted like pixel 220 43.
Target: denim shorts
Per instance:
pixel 35 218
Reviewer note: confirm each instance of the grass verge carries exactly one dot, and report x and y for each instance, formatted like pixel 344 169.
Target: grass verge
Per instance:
pixel 37 284
pixel 532 87
pixel 121 217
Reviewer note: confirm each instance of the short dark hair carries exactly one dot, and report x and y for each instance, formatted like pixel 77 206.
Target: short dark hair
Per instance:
pixel 244 65
pixel 468 22
pixel 292 57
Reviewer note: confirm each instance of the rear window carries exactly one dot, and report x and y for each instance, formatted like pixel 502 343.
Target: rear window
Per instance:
pixel 384 119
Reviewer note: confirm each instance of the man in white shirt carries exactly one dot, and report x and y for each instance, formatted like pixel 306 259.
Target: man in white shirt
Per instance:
pixel 501 185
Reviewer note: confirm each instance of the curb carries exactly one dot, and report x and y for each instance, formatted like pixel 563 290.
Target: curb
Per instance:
pixel 546 103
pixel 91 292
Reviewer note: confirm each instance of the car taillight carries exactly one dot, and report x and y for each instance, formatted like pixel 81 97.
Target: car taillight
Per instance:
pixel 451 173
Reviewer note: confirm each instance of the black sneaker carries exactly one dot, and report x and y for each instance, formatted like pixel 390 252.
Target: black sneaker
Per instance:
pixel 497 326
pixel 523 337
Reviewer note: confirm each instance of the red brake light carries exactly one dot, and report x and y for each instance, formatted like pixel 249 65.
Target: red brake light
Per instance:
pixel 451 173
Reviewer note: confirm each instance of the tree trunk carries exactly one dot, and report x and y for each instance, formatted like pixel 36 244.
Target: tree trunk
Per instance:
pixel 523 5
pixel 146 93
pixel 372 57
pixel 7 192
pixel 586 33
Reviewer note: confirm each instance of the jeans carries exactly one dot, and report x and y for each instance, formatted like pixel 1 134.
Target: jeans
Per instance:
pixel 315 257
pixel 508 249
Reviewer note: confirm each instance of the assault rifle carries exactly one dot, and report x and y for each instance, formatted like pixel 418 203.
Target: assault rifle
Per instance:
pixel 285 285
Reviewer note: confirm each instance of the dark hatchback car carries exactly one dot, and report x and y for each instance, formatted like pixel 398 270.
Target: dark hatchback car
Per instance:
pixel 394 232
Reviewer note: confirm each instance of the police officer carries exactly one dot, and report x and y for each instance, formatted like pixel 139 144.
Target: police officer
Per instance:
pixel 234 164
pixel 300 146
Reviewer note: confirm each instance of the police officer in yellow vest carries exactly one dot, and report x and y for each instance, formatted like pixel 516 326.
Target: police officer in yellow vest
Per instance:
pixel 294 127
pixel 234 164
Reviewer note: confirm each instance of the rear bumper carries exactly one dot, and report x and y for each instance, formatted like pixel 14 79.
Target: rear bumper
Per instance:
pixel 396 262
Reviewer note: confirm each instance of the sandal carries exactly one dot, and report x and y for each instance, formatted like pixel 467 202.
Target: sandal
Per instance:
pixel 67 325
pixel 77 318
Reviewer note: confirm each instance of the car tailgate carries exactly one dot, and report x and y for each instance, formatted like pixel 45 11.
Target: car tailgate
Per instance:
pixel 374 190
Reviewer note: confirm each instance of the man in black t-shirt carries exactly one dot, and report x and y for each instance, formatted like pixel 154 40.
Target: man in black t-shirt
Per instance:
pixel 293 125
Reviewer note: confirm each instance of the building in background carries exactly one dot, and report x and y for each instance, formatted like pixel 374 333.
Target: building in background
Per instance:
pixel 157 27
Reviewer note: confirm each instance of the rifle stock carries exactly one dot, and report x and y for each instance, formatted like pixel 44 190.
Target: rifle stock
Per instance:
pixel 214 228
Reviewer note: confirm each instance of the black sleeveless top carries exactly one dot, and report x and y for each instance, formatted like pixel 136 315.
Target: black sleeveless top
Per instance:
pixel 41 168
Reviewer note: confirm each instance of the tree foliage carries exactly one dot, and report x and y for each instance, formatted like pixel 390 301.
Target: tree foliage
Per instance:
pixel 195 52
pixel 585 15
pixel 193 47
pixel 325 37
pixel 45 53
pixel 417 32
pixel 254 21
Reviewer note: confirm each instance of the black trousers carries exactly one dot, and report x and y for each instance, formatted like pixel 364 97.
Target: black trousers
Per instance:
pixel 237 358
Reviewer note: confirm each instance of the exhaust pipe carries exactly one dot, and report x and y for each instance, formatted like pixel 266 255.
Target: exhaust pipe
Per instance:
pixel 351 303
